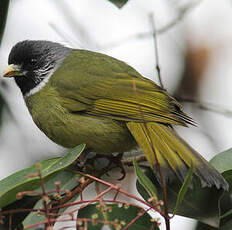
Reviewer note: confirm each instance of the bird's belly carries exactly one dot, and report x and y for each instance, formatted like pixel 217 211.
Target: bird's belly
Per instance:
pixel 67 129
pixel 100 135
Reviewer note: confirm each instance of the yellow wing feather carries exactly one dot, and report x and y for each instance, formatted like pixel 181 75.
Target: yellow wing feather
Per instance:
pixel 156 105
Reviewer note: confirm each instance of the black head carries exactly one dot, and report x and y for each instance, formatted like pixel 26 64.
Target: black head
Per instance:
pixel 35 61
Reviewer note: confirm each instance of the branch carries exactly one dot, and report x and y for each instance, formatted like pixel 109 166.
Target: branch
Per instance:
pixel 117 188
pixel 207 106
pixel 183 11
pixel 151 17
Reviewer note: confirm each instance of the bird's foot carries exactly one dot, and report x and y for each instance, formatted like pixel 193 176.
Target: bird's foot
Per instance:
pixel 103 161
pixel 117 160
pixel 81 160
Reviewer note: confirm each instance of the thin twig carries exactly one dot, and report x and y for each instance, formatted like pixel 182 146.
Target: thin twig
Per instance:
pixel 68 219
pixel 10 222
pixel 53 220
pixel 140 214
pixel 76 191
pixel 116 187
pixel 94 201
pixel 152 21
pixel 44 198
pixel 116 195
pixel 183 11
pixel 60 206
pixel 207 106
pixel 98 197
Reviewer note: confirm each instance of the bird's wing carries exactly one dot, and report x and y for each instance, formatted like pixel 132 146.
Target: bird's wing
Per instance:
pixel 129 99
pixel 135 99
pixel 99 85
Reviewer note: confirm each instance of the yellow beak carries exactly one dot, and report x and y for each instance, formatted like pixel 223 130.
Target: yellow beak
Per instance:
pixel 12 71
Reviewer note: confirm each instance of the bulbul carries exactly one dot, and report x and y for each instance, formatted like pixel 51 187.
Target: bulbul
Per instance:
pixel 77 96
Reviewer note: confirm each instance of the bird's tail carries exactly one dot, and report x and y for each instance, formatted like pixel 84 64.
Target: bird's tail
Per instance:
pixel 175 156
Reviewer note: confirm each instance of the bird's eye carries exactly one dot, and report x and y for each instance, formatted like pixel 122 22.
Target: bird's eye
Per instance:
pixel 32 61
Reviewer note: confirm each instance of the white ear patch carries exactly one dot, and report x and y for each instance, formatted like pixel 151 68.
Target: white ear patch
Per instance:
pixel 41 84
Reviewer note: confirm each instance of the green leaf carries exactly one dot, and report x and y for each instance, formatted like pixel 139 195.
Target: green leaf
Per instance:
pixel 112 213
pixel 20 181
pixel 145 181
pixel 202 226
pixel 227 225
pixel 34 217
pixel 119 3
pixel 68 180
pixel 183 189
pixel 223 161
pixel 228 213
pixel 198 203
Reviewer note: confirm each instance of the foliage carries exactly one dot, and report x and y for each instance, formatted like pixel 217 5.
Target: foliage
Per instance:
pixel 29 179
pixel 222 162
pixel 22 190
pixel 115 216
pixel 56 184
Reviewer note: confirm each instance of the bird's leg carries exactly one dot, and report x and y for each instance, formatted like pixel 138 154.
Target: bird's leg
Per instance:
pixel 81 161
pixel 117 160
pixel 112 162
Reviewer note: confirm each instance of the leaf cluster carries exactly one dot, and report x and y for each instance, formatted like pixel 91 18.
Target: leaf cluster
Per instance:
pixel 22 198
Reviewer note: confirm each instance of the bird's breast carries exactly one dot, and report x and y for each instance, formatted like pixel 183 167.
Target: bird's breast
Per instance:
pixel 68 129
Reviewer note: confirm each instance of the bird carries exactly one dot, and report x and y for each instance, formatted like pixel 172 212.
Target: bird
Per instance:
pixel 78 96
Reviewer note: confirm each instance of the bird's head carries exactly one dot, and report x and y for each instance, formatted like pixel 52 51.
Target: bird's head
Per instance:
pixel 32 62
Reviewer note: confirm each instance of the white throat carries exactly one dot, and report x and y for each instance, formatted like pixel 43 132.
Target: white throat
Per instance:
pixel 41 84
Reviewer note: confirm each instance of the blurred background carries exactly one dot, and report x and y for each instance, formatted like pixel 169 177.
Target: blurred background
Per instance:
pixel 195 57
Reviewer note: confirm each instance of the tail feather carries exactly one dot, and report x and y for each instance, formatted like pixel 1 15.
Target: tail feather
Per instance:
pixel 175 156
